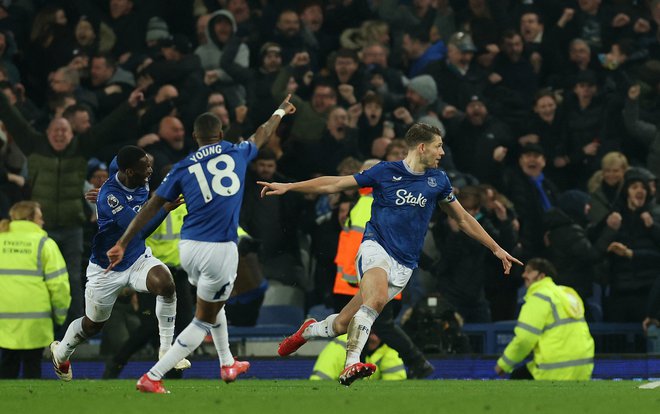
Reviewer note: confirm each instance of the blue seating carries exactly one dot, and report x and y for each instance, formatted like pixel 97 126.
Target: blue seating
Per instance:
pixel 281 315
pixel 319 312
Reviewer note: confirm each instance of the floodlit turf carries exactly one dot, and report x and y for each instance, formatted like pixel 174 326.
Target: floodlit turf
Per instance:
pixel 303 397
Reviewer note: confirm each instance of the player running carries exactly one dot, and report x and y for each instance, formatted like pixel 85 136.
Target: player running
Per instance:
pixel 119 200
pixel 405 195
pixel 211 181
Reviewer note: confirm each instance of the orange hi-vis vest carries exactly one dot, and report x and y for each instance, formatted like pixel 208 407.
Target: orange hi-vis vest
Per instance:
pixel 346 279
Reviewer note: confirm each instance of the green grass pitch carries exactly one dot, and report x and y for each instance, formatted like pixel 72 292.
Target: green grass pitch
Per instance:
pixel 307 397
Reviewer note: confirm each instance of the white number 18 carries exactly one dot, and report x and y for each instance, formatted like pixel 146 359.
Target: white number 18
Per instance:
pixel 218 175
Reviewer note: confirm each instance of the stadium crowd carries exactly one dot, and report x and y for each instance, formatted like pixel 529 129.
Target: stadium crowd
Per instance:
pixel 548 110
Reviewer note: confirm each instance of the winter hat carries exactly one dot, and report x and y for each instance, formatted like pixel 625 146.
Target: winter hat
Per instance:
pixel 425 86
pixel 179 42
pixel 93 165
pixel 269 47
pixel 463 42
pixel 634 175
pixel 572 202
pixel 531 147
pixel 157 29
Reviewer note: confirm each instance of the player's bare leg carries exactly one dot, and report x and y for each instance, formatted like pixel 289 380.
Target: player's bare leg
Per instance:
pixel 161 284
pixel 373 290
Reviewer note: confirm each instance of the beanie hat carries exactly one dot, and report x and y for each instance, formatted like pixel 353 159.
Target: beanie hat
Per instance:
pixel 179 42
pixel 572 202
pixel 424 86
pixel 93 165
pixel 269 47
pixel 634 175
pixel 157 29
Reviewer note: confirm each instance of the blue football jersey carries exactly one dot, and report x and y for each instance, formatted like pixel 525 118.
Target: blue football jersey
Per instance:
pixel 211 181
pixel 117 205
pixel 404 202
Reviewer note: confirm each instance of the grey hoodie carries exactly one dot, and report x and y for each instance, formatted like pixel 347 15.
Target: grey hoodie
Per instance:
pixel 211 52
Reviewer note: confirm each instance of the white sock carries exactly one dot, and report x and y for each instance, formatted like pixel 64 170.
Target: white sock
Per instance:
pixel 321 329
pixel 221 339
pixel 73 337
pixel 358 333
pixel 187 341
pixel 166 315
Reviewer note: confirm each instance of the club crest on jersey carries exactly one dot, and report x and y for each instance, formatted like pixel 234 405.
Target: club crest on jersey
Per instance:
pixel 431 182
pixel 112 201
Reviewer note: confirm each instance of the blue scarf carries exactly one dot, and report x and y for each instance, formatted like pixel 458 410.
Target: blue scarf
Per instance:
pixel 538 183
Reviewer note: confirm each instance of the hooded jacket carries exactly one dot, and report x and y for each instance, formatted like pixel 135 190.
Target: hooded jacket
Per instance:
pixel 211 53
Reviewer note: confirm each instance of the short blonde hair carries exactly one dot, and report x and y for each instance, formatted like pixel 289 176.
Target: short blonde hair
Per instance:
pixel 614 159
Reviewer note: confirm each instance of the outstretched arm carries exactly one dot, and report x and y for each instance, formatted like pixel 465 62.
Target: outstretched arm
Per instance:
pixel 319 185
pixel 153 206
pixel 265 130
pixel 470 226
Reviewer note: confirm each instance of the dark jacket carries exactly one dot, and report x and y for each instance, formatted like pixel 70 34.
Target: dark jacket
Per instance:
pixel 57 178
pixel 571 251
pixel 455 88
pixel 472 148
pixel 526 199
pixel 465 263
pixel 638 273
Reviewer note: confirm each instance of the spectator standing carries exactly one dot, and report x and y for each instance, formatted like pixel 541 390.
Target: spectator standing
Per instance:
pixel 635 259
pixel 57 168
pixel 532 195
pixel 34 290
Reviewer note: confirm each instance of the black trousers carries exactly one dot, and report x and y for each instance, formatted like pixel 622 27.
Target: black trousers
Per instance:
pixel 10 363
pixel 521 373
pixel 389 332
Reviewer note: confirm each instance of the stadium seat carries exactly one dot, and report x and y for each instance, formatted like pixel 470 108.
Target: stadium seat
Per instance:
pixel 319 312
pixel 279 294
pixel 281 315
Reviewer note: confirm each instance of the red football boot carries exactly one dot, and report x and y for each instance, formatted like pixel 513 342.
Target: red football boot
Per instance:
pixel 229 373
pixel 146 384
pixel 355 372
pixel 63 370
pixel 290 344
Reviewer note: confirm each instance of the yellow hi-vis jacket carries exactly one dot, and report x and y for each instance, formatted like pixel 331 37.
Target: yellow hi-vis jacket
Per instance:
pixel 551 323
pixel 330 362
pixel 34 287
pixel 164 241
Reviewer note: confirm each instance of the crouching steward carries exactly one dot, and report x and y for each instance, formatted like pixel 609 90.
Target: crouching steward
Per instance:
pixel 551 324
pixel 330 362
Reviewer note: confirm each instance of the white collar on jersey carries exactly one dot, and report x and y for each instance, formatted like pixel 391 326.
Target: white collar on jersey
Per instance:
pixel 123 186
pixel 410 170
